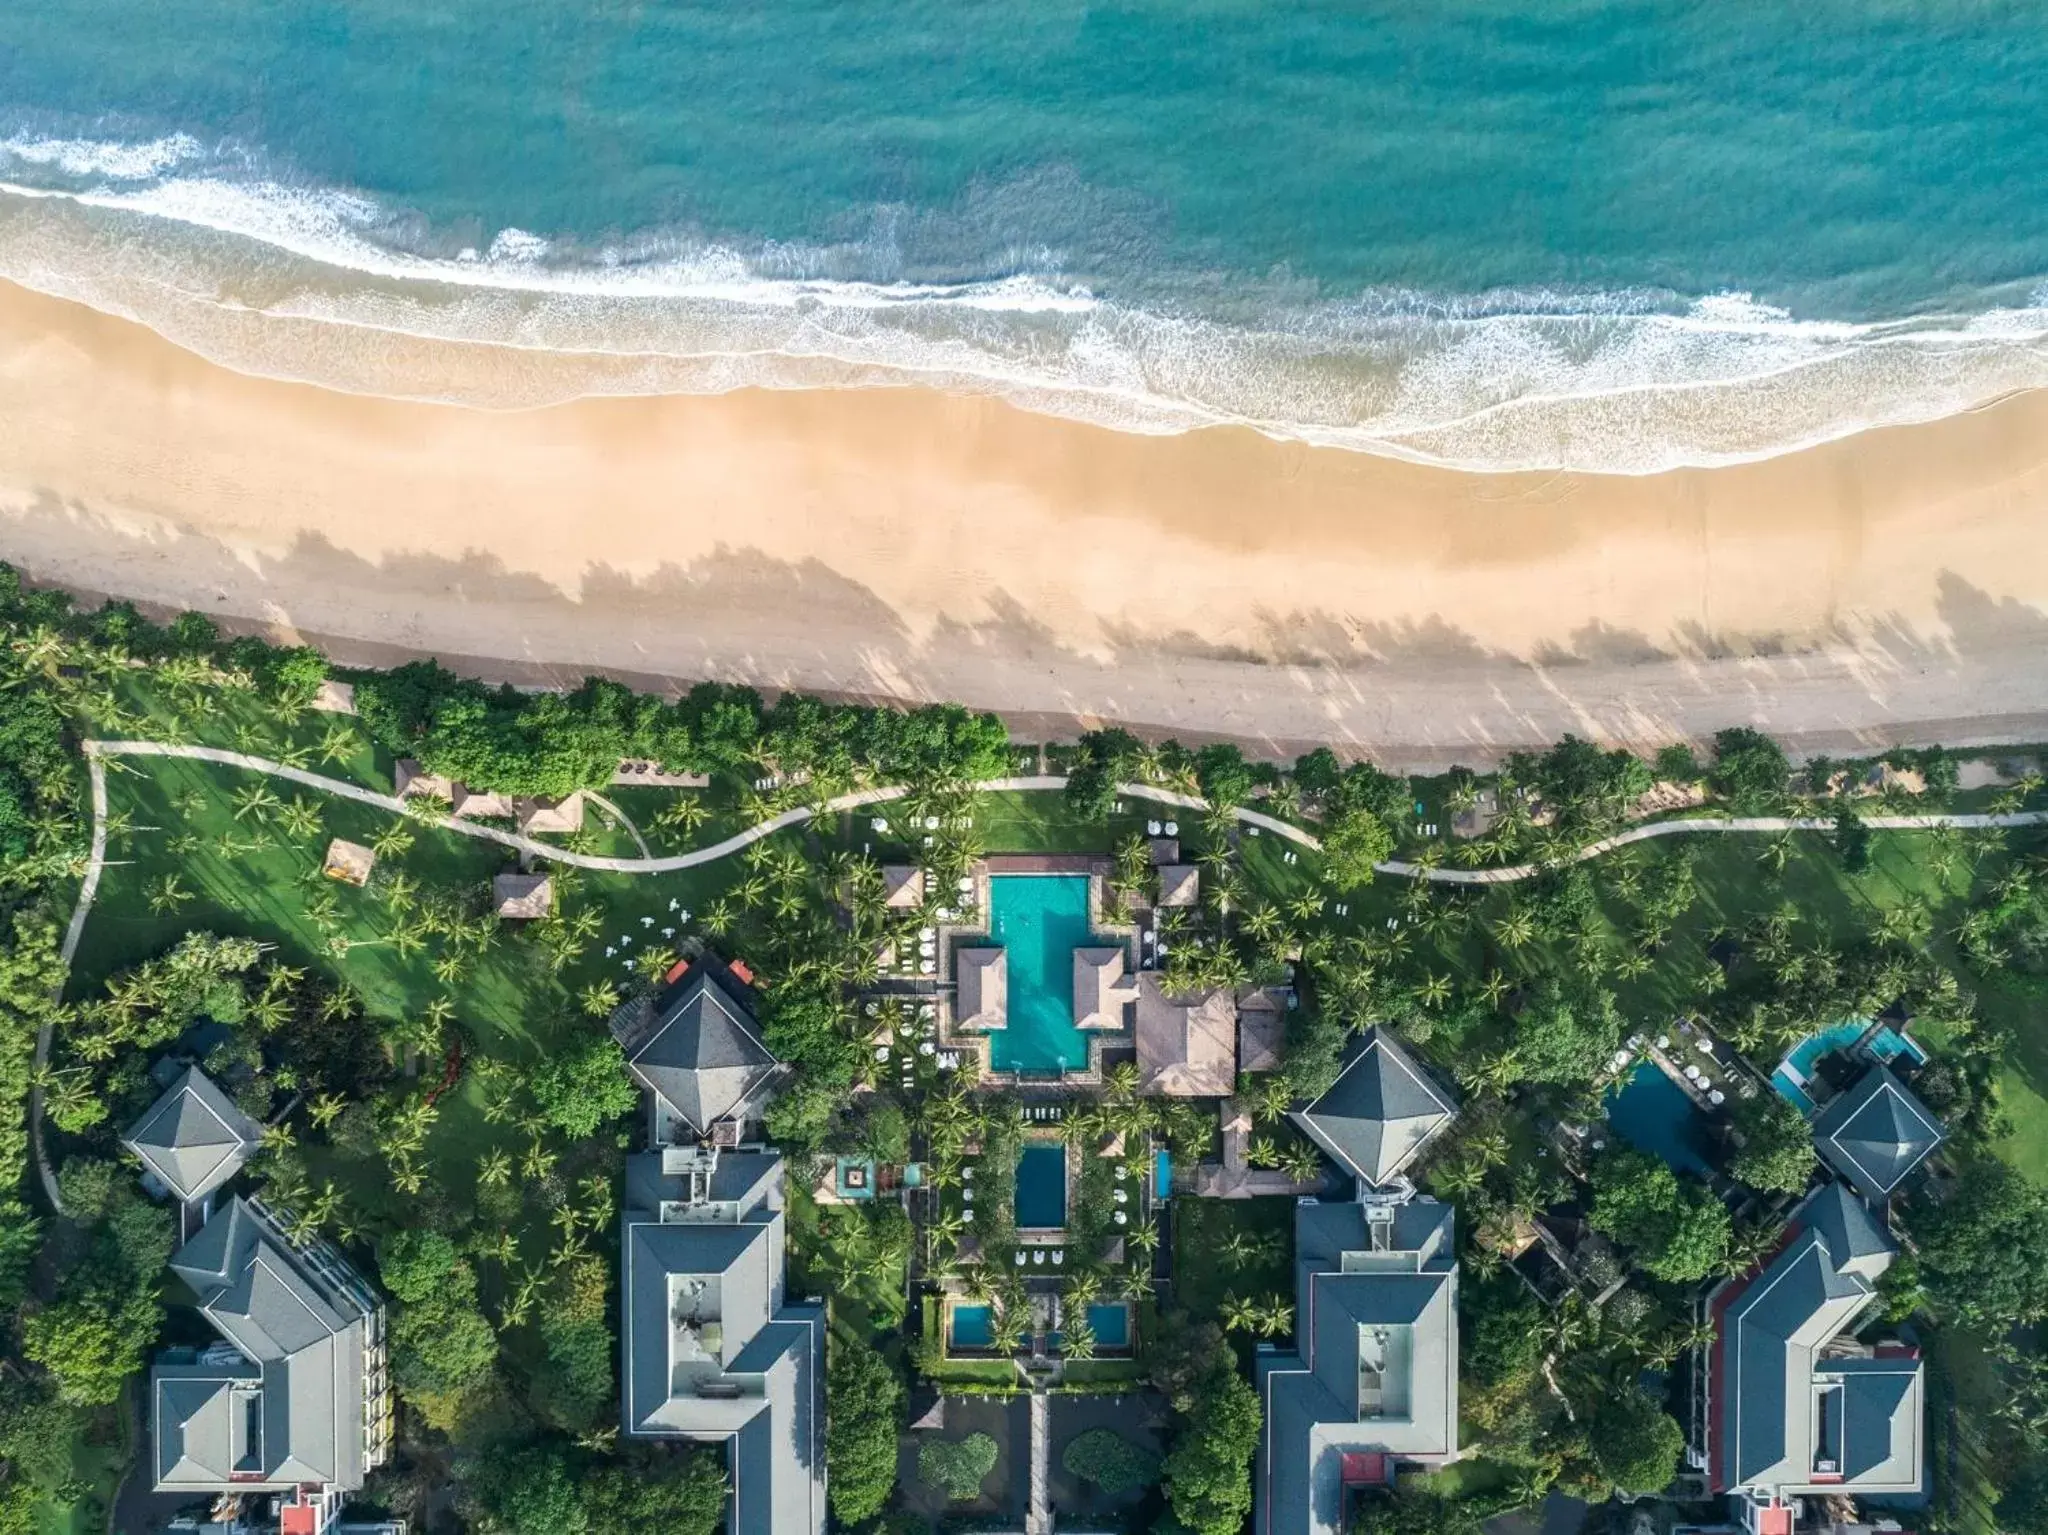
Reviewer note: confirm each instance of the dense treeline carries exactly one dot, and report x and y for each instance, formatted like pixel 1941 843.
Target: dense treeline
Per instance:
pixel 555 743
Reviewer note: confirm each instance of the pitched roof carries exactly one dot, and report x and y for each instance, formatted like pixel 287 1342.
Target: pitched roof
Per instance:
pixel 981 987
pixel 1180 884
pixel 295 1408
pixel 1877 1132
pixel 523 896
pixel 902 886
pixel 696 1050
pixel 1187 1046
pixel 193 1137
pixel 1377 1369
pixel 1379 1113
pixel 712 1351
pixel 1790 1405
pixel 1101 989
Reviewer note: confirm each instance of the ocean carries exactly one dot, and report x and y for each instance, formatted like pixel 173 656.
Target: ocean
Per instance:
pixel 1615 237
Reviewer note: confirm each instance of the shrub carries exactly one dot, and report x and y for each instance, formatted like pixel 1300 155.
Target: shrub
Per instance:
pixel 1110 1461
pixel 957 1467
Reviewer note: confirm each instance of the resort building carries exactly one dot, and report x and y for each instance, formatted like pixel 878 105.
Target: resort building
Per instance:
pixel 1794 1405
pixel 536 816
pixel 902 886
pixel 694 1046
pixel 193 1139
pixel 415 782
pixel 1876 1133
pixel 1103 992
pixel 1379 1113
pixel 1187 1046
pixel 479 805
pixel 1261 1028
pixel 1374 1384
pixel 712 1350
pixel 522 897
pixel 294 1400
pixel 981 979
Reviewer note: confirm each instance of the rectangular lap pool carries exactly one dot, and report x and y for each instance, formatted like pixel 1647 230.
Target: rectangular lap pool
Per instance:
pixel 1041 919
pixel 971 1327
pixel 1652 1113
pixel 1042 1188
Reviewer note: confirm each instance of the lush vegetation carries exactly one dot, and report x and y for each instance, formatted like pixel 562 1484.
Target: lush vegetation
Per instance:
pixel 957 1467
pixel 444 1103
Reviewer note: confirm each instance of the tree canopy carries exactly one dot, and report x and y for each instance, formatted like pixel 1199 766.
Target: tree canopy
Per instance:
pixel 1984 1248
pixel 863 1416
pixel 1636 1444
pixel 1679 1230
pixel 1777 1145
pixel 957 1467
pixel 1208 1471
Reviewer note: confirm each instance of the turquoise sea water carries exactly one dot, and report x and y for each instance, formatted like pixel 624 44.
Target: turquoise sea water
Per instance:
pixel 1617 235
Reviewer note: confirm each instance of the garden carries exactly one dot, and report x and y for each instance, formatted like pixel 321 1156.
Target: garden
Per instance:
pixel 442 1099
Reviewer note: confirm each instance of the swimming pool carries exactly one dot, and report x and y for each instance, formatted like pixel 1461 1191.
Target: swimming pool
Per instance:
pixel 972 1327
pixel 1652 1113
pixel 1041 919
pixel 1041 1188
pixel 1796 1070
pixel 1110 1321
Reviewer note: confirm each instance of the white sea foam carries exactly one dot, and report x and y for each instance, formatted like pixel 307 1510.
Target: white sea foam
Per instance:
pixel 330 287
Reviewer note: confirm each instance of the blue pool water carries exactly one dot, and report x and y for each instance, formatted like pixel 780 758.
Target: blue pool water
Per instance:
pixel 1111 1324
pixel 1162 1175
pixel 1042 1188
pixel 973 1326
pixel 1041 919
pixel 1653 1114
pixel 1796 1070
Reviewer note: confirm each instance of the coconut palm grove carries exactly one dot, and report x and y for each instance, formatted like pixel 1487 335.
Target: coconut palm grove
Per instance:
pixel 437 1106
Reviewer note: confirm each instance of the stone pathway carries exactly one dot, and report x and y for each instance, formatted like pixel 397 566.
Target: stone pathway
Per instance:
pixel 1039 1520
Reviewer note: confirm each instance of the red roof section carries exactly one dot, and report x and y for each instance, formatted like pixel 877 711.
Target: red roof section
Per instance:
pixel 739 968
pixel 676 972
pixel 299 1519
pixel 1364 1468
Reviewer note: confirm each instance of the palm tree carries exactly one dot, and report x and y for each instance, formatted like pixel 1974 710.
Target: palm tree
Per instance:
pixel 255 800
pixel 1007 1335
pixel 1302 1162
pixel 494 1168
pixel 1145 1240
pixel 1077 1340
pixel 1262 1151
pixel 1515 928
pixel 301 818
pixel 1240 1314
pixel 168 894
pixel 1276 1318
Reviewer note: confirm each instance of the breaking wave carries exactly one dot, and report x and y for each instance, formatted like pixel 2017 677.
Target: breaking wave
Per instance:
pixel 220 254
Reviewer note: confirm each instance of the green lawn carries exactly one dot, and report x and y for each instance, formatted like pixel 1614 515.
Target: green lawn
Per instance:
pixel 1204 1267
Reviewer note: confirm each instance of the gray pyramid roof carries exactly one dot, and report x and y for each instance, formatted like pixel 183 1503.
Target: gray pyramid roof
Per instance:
pixel 1379 1113
pixel 193 1137
pixel 1876 1133
pixel 699 1053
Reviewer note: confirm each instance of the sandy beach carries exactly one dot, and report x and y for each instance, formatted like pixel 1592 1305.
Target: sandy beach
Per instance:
pixel 903 543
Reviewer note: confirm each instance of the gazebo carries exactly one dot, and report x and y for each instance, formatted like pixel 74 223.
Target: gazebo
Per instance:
pixel 349 862
pixel 1180 884
pixel 523 897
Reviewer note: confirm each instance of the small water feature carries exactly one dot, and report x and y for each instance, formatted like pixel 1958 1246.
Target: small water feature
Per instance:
pixel 1110 1321
pixel 971 1327
pixel 1793 1073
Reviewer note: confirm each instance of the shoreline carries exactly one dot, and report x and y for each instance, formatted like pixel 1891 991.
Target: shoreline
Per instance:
pixel 898 543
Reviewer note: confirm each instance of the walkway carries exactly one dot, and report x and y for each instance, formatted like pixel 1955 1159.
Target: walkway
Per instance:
pixel 1039 1520
pixel 1689 825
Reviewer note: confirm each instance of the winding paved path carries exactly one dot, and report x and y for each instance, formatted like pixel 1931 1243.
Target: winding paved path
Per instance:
pixel 97 753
